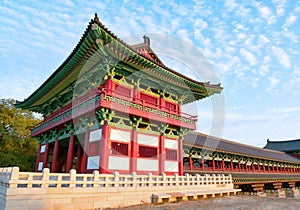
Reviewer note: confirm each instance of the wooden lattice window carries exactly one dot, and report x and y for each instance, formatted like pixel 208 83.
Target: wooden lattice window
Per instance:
pixel 123 91
pixel 171 154
pixel 148 152
pixel 119 148
pixel 148 99
pixel 170 106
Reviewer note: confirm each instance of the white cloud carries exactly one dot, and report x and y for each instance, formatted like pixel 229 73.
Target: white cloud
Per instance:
pixel 263 39
pixel 184 34
pixel 200 24
pixel 292 109
pixel 282 56
pixel 274 81
pixel 231 5
pixel 265 13
pixel 250 57
pixel 263 70
pixel 280 7
pixel 290 20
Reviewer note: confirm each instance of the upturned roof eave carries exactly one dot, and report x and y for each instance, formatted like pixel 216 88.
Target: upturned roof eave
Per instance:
pixel 54 79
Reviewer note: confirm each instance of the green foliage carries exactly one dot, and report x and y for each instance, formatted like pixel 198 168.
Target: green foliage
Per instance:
pixel 17 148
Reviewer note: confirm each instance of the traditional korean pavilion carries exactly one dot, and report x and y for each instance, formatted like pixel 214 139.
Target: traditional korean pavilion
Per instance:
pixel 111 107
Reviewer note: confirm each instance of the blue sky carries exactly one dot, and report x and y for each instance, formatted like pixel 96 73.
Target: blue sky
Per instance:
pixel 253 47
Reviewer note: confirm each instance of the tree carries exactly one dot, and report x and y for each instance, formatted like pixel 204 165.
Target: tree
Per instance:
pixel 17 148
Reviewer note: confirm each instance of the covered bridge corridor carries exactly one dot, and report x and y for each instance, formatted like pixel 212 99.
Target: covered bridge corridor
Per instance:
pixel 252 168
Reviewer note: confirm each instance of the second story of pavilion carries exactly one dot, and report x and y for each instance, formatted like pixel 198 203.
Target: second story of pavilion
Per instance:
pixel 104 71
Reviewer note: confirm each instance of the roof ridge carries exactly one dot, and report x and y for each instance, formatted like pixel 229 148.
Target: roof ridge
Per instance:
pixel 282 141
pixel 237 143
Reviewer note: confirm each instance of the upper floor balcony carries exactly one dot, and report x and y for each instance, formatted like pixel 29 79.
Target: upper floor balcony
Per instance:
pixel 122 99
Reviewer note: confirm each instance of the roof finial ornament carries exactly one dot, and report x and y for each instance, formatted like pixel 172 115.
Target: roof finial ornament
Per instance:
pixel 146 40
pixel 96 17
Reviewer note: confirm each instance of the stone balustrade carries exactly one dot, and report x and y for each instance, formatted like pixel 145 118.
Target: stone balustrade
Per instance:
pixel 31 190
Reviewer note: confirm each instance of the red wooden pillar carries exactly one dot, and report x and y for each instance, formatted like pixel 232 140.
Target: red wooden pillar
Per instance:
pixel 109 85
pixel 202 164
pixel 258 167
pixel 213 164
pixel 135 95
pixel 191 162
pixel 46 154
pixel 239 166
pixel 79 158
pixel 38 158
pixel 134 151
pixel 104 149
pixel 162 102
pixel 231 165
pixel 180 156
pixel 179 107
pixel 222 165
pixel 86 152
pixel 268 169
pixel 246 167
pixel 54 166
pixel 70 155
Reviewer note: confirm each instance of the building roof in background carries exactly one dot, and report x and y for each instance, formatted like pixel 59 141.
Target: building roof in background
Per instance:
pixel 284 146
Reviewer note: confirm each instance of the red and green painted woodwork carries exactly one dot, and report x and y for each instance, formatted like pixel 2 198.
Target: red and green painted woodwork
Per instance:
pixel 114 142
pixel 203 160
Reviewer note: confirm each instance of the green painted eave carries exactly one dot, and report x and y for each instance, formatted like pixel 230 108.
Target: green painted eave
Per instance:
pixel 65 75
pixel 99 39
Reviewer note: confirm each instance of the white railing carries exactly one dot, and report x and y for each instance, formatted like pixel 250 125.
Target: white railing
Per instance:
pixel 13 178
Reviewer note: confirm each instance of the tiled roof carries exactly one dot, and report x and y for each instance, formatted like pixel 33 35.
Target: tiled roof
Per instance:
pixel 94 36
pixel 218 144
pixel 284 146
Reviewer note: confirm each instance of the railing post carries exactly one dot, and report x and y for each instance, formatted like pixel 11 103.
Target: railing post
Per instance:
pixel 96 178
pixel 14 177
pixel 187 179
pixel 223 179
pixel 230 179
pixel 164 176
pixel 45 177
pixel 197 179
pixel 117 179
pixel 214 178
pixel 133 175
pixel 72 178
pixel 176 179
pixel 150 181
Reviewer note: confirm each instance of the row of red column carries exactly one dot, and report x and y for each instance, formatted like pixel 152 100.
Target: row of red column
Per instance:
pixel 248 168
